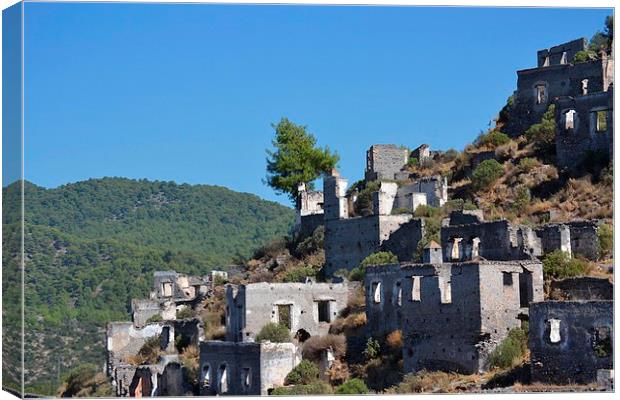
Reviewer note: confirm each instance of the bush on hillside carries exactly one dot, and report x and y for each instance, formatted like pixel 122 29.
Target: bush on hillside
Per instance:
pixel 486 174
pixel 318 387
pixel 275 333
pixel 605 240
pixel 510 350
pixel 378 258
pixel 304 373
pixel 542 135
pixel 373 349
pixel 558 265
pixel 527 164
pixel 353 386
pixel 493 139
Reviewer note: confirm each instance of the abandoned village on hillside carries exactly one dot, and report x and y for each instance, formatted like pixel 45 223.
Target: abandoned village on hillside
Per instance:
pixel 454 301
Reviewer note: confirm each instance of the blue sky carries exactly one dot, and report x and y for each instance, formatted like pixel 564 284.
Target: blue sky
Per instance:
pixel 188 92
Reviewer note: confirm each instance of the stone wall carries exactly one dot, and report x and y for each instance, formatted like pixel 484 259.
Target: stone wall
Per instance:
pixel 311 307
pixel 384 161
pixel 250 368
pixel 575 139
pixel 123 339
pixel 403 241
pixel 562 53
pixel 570 340
pixel 577 238
pixel 452 315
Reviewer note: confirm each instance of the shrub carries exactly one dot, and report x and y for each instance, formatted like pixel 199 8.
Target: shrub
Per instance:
pixel 522 198
pixel 493 139
pixel 272 249
pixel 424 381
pixel 85 381
pixel 318 387
pixel 450 155
pixel 394 340
pixel 304 373
pixel 510 350
pixel 297 274
pixel 357 274
pixel 275 333
pixel 378 258
pixel 401 210
pixel 353 386
pixel 185 312
pixel 364 198
pixel 426 211
pixel 605 239
pixel 558 265
pixel 373 349
pixel 542 135
pixel 313 347
pixel 313 243
pixel 413 161
pixel 527 164
pixel 584 56
pixel 486 173
pixel 154 318
pixel 149 352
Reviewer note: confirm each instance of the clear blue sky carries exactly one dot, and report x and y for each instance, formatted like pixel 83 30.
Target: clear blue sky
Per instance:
pixel 188 92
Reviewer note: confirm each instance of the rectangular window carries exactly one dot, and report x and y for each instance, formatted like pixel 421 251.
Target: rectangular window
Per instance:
pixel 284 315
pixel 601 121
pixel 445 290
pixel 323 307
pixel 415 290
pixel 376 290
pixel 569 118
pixel 246 378
pixel 166 289
pixel 554 331
pixel 507 278
pixel 541 94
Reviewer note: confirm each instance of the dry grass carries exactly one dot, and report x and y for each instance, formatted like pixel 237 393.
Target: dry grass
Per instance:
pixel 314 346
pixel 349 324
pixel 394 340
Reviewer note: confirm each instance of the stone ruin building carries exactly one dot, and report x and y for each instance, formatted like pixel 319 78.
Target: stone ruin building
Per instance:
pixel 452 315
pixel 248 368
pixel 583 96
pixel 571 340
pixel 309 211
pixel 306 309
pixel 156 319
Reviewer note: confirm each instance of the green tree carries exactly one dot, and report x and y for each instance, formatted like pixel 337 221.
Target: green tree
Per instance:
pixel 559 265
pixel 378 258
pixel 542 135
pixel 274 333
pixel 486 173
pixel 603 41
pixel 510 350
pixel 296 159
pixel 606 239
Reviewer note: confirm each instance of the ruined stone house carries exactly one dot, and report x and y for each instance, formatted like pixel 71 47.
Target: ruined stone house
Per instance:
pixel 307 309
pixel 452 315
pixel 308 211
pixel 238 368
pixel 570 341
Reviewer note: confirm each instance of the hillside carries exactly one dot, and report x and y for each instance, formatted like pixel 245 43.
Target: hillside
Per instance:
pixel 92 246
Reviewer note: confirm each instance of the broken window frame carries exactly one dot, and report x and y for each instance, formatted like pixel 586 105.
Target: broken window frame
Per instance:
pixel 507 278
pixel 554 330
pixel 569 120
pixel 584 86
pixel 206 375
pixel 376 291
pixel 445 289
pixel 416 288
pixel 246 378
pixel 222 379
pixel 600 119
pixel 325 315
pixel 280 314
pixel 564 58
pixel 541 93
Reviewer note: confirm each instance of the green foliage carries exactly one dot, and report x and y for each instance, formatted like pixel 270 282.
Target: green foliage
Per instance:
pixel 318 387
pixel 379 258
pixel 304 373
pixel 296 159
pixel 313 243
pixel 584 56
pixel 504 114
pixel 85 381
pixel 150 351
pixel 92 246
pixel 486 174
pixel 412 162
pixel 527 164
pixel 353 386
pixel 493 139
pixel 298 274
pixel 357 274
pixel 373 349
pixel 510 350
pixel 401 210
pixel 185 313
pixel 558 265
pixel 603 41
pixel 364 197
pixel 154 318
pixel 522 198
pixel 542 135
pixel 426 212
pixel 275 333
pixel 605 240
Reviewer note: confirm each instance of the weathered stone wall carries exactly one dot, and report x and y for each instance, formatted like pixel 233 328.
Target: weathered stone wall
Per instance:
pixel 560 81
pixel 403 241
pixel 250 307
pixel 577 238
pixel 237 360
pixel 308 224
pixel 570 340
pixel 384 161
pixel 251 368
pixel 465 217
pixel 123 339
pixel 582 288
pixel 143 309
pixel 496 240
pixel 574 143
pixel 452 315
pixel 562 53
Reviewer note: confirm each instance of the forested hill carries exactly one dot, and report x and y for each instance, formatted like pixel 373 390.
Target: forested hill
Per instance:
pixel 93 246
pixel 213 221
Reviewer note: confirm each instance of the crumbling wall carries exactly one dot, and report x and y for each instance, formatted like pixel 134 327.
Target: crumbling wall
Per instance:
pixel 385 315
pixel 276 361
pixel 123 339
pixel 465 217
pixel 403 241
pixel 224 367
pixel 577 139
pixel 570 340
pixel 561 53
pixel 384 161
pixel 584 239
pixel 256 304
